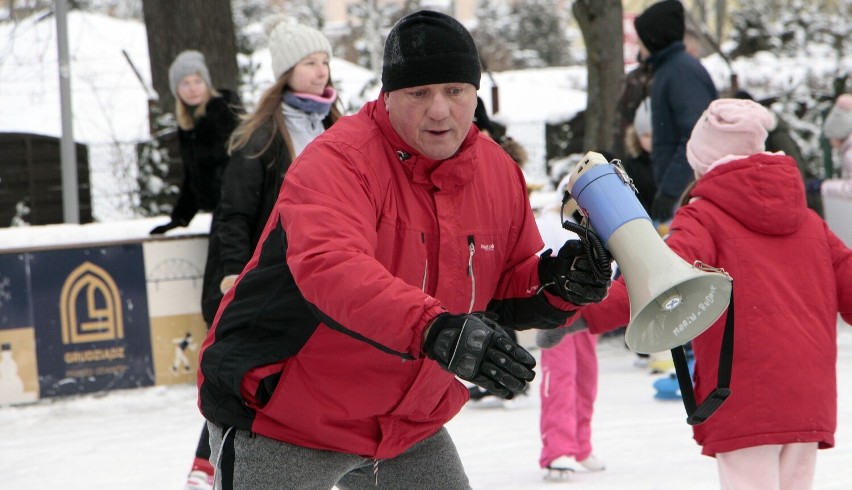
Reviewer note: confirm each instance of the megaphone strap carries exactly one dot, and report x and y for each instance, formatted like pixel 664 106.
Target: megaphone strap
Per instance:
pixel 699 414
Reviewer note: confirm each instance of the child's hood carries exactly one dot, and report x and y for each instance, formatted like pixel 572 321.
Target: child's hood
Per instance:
pixel 765 192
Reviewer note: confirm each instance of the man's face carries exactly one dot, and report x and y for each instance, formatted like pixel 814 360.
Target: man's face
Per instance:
pixel 433 119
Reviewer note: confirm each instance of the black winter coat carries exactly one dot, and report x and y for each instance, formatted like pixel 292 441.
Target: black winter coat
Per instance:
pixel 204 153
pixel 249 191
pixel 681 91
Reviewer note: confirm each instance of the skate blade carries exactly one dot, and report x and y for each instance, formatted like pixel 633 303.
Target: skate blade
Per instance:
pixel 556 475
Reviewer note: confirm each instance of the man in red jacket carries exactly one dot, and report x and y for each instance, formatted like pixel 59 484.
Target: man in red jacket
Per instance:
pixel 333 359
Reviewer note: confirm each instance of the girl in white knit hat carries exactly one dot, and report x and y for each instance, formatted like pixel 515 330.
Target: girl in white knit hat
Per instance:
pixel 300 105
pixel 290 114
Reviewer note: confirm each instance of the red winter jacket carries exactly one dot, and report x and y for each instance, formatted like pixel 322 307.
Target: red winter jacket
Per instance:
pixel 323 349
pixel 791 275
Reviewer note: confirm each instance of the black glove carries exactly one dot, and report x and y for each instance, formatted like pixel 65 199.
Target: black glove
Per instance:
pixel 573 276
pixel 171 225
pixel 662 209
pixel 478 350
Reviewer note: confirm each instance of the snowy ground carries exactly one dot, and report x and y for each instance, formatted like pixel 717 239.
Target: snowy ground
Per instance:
pixel 145 438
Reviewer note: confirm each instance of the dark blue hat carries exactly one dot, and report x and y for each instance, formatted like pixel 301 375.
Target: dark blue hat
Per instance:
pixel 661 24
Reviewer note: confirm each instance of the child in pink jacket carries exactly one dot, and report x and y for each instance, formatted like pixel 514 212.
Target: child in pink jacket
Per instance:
pixel 792 276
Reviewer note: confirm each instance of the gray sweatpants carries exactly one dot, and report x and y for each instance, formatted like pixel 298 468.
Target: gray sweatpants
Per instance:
pixel 261 463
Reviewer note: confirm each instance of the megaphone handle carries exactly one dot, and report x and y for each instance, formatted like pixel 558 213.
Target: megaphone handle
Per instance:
pixel 599 257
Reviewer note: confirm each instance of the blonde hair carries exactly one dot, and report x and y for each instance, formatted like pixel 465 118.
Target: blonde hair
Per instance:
pixel 185 120
pixel 631 142
pixel 269 109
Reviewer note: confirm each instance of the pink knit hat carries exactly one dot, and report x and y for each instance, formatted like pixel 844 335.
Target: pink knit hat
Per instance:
pixel 729 127
pixel 838 123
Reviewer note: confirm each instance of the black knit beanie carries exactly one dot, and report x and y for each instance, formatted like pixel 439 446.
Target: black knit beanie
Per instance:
pixel 660 25
pixel 429 47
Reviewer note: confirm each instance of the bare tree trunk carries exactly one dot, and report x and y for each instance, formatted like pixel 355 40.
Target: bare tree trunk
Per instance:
pixel 601 24
pixel 204 25
pixel 721 17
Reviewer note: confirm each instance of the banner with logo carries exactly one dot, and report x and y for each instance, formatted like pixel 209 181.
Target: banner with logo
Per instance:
pixel 83 320
pixel 90 314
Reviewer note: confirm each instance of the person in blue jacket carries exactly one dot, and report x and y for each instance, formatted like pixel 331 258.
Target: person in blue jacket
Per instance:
pixel 681 91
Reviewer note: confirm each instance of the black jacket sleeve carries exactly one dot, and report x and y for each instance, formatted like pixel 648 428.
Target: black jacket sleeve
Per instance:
pixel 249 191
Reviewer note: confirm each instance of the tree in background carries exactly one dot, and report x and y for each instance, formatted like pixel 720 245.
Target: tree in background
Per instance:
pixel 308 12
pixel 601 24
pixel 172 27
pixel 523 34
pixel 158 191
pixel 491 34
pixel 796 30
pixel 540 34
pixel 363 39
pixel 204 25
pixel 248 15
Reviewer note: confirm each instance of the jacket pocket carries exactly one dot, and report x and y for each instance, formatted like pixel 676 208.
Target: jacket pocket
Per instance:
pixel 260 383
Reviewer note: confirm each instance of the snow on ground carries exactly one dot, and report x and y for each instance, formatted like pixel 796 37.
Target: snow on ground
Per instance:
pixel 145 438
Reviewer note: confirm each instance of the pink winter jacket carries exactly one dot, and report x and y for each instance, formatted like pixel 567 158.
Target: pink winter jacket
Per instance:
pixel 792 276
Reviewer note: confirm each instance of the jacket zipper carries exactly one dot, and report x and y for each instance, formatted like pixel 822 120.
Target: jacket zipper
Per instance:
pixel 471 246
pixel 426 265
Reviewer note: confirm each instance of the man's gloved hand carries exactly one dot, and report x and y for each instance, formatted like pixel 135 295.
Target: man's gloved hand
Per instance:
pixel 662 209
pixel 478 350
pixel 171 225
pixel 572 276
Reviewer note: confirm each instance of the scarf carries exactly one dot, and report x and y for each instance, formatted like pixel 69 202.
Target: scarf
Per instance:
pixel 310 103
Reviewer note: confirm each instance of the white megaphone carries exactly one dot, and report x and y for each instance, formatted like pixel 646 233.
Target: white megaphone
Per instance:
pixel 671 301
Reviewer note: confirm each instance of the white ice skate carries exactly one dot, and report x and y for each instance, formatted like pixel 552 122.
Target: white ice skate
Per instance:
pixel 561 468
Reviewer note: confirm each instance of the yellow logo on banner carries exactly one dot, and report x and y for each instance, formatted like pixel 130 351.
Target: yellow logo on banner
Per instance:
pixel 101 318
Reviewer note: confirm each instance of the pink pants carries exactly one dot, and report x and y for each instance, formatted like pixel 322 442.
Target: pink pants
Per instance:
pixel 569 385
pixel 770 467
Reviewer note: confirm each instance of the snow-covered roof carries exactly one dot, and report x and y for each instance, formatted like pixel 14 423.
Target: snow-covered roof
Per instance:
pixel 109 103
